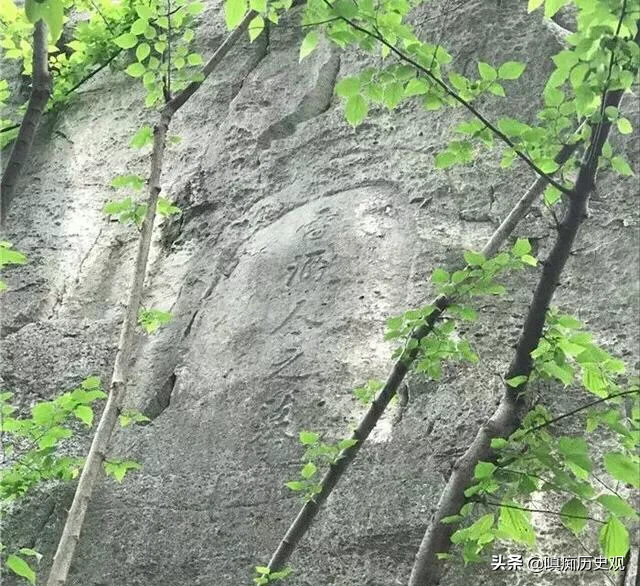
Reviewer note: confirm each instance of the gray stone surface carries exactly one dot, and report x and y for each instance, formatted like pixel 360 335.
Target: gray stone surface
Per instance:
pixel 299 237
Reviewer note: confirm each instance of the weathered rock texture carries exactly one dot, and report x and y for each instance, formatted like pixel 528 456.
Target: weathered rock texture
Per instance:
pixel 299 237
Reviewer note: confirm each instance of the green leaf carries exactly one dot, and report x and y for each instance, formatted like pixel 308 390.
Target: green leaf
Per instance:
pixel 440 276
pixel 308 470
pixel 416 87
pixel 84 413
pixel 130 416
pixel 139 27
pixel 21 568
pixel 516 381
pixel 234 11
pixel 197 7
pixel 563 373
pixel 511 70
pixel 512 127
pixel 552 195
pixel 594 381
pixel 487 72
pixel 547 165
pixel 345 444
pixel 136 70
pixel 50 11
pixel 497 90
pixel 392 94
pixel 31 552
pixel 345 8
pixel 614 538
pixel 118 469
pixel 534 4
pixel 570 511
pixel 296 485
pixel 308 438
pixel 134 181
pixel 474 259
pixel 348 87
pixel 521 247
pixel 515 524
pixel 144 11
pixel 91 382
pixel 43 413
pixel 9 256
pixel 614 504
pixel 484 470
pixel 529 260
pixel 621 166
pixel 356 110
pixel 166 208
pixel 446 159
pixel 256 26
pixel 575 451
pixel 623 468
pixel 309 43
pixel 142 138
pixel 126 41
pixel 142 51
pixel 552 6
pixel 152 319
pixel 624 126
pixel 498 443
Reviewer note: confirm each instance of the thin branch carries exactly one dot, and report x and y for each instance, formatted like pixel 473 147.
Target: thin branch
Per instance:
pixel 604 485
pixel 40 92
pixel 87 77
pixel 308 512
pixel 106 22
pixel 100 443
pixel 579 409
pixel 545 511
pixel 538 477
pixel 322 22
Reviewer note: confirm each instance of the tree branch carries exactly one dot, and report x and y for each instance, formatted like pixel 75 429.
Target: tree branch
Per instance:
pixel 310 509
pixel 545 511
pixel 427 568
pixel 40 92
pixel 100 443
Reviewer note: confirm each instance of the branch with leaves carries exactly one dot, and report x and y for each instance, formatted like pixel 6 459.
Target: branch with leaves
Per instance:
pixel 97 453
pixel 506 419
pixel 308 512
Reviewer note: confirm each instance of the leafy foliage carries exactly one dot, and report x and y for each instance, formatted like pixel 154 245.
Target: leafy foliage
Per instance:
pixel 264 575
pixel 533 460
pixel 317 455
pixel 152 320
pixel 34 452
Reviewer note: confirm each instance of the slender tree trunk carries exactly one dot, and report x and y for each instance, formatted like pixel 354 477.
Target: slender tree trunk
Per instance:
pixel 100 443
pixel 427 569
pixel 40 92
pixel 310 509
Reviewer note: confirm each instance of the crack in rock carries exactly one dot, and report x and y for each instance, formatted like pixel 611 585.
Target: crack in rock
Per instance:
pixel 162 398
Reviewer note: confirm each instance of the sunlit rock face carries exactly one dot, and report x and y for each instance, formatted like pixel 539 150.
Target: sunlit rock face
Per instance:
pixel 299 237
